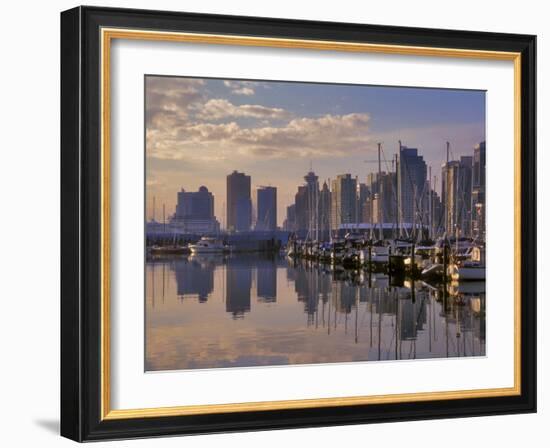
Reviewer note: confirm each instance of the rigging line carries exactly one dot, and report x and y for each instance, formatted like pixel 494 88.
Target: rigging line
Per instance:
pixel 415 201
pixel 394 192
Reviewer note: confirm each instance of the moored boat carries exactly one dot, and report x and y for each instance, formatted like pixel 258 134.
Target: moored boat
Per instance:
pixel 173 249
pixel 435 270
pixel 209 245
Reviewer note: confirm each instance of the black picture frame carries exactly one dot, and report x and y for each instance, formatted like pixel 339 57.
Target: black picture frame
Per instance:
pixel 81 224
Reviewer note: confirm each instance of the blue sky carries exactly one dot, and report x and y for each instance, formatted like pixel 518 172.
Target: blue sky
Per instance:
pixel 199 130
pixel 390 108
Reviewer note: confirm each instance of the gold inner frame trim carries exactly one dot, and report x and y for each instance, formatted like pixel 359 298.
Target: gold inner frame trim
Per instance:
pixel 107 35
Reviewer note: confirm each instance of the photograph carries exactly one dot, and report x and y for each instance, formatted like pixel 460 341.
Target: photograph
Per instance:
pixel 275 223
pixel 298 223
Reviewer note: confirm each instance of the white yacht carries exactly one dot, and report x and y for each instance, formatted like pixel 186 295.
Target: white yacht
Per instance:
pixel 208 245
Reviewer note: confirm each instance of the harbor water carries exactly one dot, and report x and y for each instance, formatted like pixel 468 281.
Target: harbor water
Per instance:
pixel 244 310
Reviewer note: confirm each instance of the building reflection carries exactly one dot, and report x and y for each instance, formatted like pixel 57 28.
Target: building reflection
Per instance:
pixel 412 315
pixel 381 318
pixel 195 277
pixel 405 309
pixel 238 283
pixel 465 305
pixel 307 289
pixel 266 280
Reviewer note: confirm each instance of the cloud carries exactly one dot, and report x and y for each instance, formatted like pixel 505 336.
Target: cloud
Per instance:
pixel 241 87
pixel 184 125
pixel 216 109
pixel 325 136
pixel 168 100
pixel 244 91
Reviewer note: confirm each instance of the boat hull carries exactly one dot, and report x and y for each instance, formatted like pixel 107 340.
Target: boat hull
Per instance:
pixel 208 250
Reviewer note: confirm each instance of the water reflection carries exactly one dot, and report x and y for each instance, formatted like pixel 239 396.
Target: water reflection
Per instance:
pixel 238 274
pixel 195 278
pixel 249 309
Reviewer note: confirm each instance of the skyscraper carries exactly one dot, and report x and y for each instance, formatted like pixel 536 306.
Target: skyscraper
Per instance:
pixel 195 212
pixel 290 221
pixel 195 204
pixel 411 181
pixel 324 211
pixel 478 166
pixel 307 206
pixel 312 203
pixel 301 209
pixel 382 197
pixel 267 208
pixel 343 200
pixel 458 196
pixel 363 202
pixel 239 203
pixel 478 191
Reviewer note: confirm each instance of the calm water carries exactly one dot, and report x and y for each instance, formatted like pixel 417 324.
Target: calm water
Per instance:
pixel 251 310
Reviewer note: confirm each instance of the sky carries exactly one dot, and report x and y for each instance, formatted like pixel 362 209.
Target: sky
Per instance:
pixel 199 130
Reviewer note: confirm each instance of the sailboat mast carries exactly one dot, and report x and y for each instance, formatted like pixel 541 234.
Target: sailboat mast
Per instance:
pixel 396 196
pixel 436 229
pixel 430 198
pixel 163 221
pixel 380 217
pixel 399 182
pixel 329 216
pixel 357 197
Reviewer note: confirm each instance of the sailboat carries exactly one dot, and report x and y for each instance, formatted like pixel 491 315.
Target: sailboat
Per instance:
pixel 469 270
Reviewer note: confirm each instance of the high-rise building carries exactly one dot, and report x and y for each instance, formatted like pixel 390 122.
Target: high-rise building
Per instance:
pixel 267 208
pixel 363 202
pixel 301 209
pixel 312 203
pixel 411 181
pixel 478 166
pixel 239 203
pixel 384 188
pixel 432 216
pixel 458 196
pixel 195 212
pixel 438 214
pixel 195 204
pixel 383 199
pixel 290 221
pixel 478 191
pixel 343 200
pixel 324 211
pixel 307 207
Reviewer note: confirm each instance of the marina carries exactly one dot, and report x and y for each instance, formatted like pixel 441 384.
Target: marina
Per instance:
pixel 442 260
pixel 258 309
pixel 374 253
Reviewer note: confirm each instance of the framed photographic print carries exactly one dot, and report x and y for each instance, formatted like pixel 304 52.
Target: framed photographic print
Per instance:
pixel 275 224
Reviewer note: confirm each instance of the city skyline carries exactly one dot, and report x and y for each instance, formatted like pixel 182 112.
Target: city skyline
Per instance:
pixel 200 130
pixel 403 198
